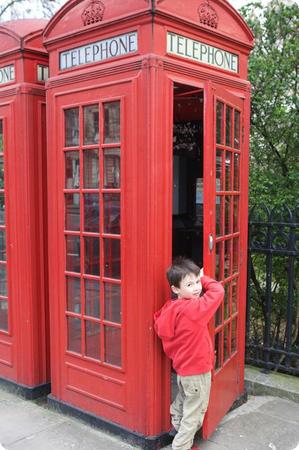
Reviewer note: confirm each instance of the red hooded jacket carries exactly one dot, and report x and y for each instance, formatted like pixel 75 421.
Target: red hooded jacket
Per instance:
pixel 182 325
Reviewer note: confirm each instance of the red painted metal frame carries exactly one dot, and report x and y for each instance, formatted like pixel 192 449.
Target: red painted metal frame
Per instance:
pixel 24 348
pixel 144 82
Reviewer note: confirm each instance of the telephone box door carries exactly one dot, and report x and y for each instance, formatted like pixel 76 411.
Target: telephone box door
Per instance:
pixel 224 238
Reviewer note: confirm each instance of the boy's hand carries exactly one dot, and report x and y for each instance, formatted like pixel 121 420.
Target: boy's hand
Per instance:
pixel 201 274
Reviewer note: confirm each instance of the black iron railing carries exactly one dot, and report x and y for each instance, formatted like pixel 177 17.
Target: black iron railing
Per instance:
pixel 272 324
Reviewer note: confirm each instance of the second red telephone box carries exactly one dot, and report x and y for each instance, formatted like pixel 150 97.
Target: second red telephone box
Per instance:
pixel 148 158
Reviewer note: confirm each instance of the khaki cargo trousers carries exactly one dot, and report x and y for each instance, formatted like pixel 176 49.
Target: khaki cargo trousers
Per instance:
pixel 189 408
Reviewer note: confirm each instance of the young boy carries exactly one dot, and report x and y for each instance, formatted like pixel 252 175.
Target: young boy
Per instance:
pixel 182 326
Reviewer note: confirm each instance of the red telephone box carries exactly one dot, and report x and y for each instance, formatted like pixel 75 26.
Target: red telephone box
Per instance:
pixel 24 348
pixel 148 158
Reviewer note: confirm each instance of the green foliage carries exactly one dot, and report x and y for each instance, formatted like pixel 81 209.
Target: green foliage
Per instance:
pixel 273 72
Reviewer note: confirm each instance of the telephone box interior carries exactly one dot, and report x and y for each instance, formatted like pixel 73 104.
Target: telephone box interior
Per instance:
pixel 148 132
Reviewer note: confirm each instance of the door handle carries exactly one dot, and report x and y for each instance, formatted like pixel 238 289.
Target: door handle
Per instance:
pixel 211 242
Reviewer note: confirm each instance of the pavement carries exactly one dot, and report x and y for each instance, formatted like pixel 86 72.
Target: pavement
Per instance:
pixel 264 422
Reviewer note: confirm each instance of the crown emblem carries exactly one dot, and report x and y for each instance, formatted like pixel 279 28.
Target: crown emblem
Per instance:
pixel 207 14
pixel 93 13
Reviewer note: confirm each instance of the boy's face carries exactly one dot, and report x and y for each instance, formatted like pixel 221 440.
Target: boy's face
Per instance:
pixel 190 287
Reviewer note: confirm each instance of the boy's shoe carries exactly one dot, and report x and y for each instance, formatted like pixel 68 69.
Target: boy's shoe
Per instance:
pixel 172 432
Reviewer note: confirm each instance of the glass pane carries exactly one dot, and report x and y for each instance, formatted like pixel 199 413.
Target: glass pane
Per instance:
pixel 2 245
pixel 73 294
pixel 228 211
pixel 112 168
pixel 112 213
pixel 74 334
pixel 228 126
pixel 3 281
pixel 237 130
pixel 112 302
pixel 219 123
pixel 91 169
pixel 236 172
pixel 92 255
pixel 227 258
pixel 226 343
pixel 1 172
pixel 71 118
pixel 219 215
pixel 1 136
pixel 72 170
pixel 92 339
pixel 228 171
pixel 73 253
pixel 219 171
pixel 2 209
pixel 113 346
pixel 92 298
pixel 234 296
pixel 112 258
pixel 91 124
pixel 218 316
pixel 226 301
pixel 72 212
pixel 234 336
pixel 236 255
pixel 4 315
pixel 91 212
pixel 112 122
pixel 219 261
pixel 218 347
pixel 236 214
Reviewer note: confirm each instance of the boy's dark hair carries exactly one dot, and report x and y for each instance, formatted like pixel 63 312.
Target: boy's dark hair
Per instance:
pixel 179 269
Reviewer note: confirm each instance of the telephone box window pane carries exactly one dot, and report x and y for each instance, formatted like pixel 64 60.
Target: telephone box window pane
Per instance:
pixel 71 117
pixel 226 342
pixel 2 245
pixel 237 130
pixel 72 170
pixel 236 172
pixel 112 168
pixel 112 122
pixel 91 124
pixel 234 297
pixel 91 213
pixel 218 316
pixel 236 255
pixel 91 169
pixel 234 336
pixel 72 212
pixel 219 261
pixel 92 339
pixel 228 207
pixel 112 302
pixel 73 253
pixel 1 172
pixel 4 315
pixel 92 298
pixel 228 171
pixel 112 213
pixel 219 122
pixel 92 255
pixel 236 214
pixel 112 258
pixel 2 209
pixel 219 171
pixel 1 137
pixel 3 281
pixel 219 215
pixel 226 301
pixel 74 334
pixel 113 346
pixel 73 294
pixel 218 350
pixel 228 126
pixel 227 258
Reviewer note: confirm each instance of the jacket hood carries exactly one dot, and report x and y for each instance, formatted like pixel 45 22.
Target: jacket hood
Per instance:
pixel 165 319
